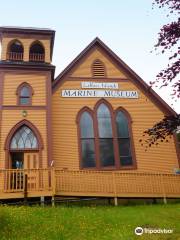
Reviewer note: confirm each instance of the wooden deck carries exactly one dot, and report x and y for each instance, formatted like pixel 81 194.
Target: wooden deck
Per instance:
pixel 51 182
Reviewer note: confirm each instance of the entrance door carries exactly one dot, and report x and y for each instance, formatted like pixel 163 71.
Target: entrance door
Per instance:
pixel 24 155
pixel 20 160
pixel 31 163
pixel 31 160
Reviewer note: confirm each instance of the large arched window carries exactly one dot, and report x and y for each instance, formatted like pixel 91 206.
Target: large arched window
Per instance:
pixel 106 148
pixel 15 51
pixel 87 140
pixel 24 93
pixel 105 138
pixel 24 138
pixel 36 52
pixel 124 141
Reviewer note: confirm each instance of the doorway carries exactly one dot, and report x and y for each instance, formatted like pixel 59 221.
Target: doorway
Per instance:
pixel 17 160
pixel 24 160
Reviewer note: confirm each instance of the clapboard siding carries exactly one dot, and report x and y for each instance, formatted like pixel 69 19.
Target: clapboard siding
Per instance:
pixel 85 70
pixel 13 80
pixel 144 114
pixel 11 117
pixel 26 44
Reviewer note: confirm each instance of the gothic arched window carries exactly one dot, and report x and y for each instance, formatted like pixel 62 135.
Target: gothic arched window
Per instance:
pixel 24 93
pixel 36 52
pixel 124 140
pixel 87 140
pixel 105 138
pixel 15 51
pixel 24 138
pixel 106 148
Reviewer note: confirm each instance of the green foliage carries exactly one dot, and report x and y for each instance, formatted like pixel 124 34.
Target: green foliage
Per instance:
pixel 88 223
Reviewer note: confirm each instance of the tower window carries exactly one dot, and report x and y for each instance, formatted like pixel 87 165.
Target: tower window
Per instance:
pixel 24 93
pixel 37 52
pixel 15 51
pixel 98 69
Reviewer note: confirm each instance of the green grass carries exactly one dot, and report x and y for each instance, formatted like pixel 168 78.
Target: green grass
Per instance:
pixel 95 223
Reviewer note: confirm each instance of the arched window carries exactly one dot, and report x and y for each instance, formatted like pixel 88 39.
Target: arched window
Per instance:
pixel 106 148
pixel 105 138
pixel 98 69
pixel 15 51
pixel 24 93
pixel 36 52
pixel 87 140
pixel 124 141
pixel 24 138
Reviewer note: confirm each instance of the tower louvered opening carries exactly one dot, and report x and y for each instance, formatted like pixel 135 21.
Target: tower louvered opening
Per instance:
pixel 98 69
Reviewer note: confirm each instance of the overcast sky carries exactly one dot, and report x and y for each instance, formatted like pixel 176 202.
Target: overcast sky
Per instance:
pixel 129 28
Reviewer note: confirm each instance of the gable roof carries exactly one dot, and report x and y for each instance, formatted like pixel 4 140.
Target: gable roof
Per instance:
pixel 148 91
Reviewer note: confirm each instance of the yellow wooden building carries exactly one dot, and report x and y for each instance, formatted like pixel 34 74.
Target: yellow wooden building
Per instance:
pixel 78 134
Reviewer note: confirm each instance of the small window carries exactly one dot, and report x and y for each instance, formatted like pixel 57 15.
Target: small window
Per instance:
pixel 24 93
pixel 124 142
pixel 98 69
pixel 24 96
pixel 87 141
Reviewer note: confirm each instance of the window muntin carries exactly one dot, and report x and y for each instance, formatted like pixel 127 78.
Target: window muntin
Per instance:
pixel 124 141
pixel 87 140
pixel 24 138
pixel 106 147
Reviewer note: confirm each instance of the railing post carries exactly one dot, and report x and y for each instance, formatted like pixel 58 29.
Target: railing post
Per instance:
pixel 115 190
pixel 53 182
pixel 42 200
pixel 25 188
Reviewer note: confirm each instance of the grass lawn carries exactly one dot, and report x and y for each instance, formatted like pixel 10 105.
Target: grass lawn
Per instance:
pixel 95 223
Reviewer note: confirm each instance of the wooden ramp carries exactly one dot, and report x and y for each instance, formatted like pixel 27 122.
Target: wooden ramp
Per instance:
pixel 17 183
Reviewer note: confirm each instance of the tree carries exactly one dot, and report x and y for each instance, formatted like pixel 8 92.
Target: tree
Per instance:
pixel 168 42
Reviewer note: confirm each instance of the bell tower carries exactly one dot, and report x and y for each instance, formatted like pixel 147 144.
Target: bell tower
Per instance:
pixel 26 74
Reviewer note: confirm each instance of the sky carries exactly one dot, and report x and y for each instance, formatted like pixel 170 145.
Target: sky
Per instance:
pixel 129 28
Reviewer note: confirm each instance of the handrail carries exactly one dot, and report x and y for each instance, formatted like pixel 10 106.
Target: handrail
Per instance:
pixel 36 57
pixel 90 183
pixel 16 56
